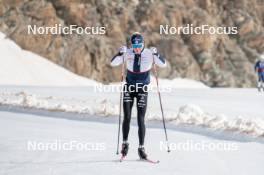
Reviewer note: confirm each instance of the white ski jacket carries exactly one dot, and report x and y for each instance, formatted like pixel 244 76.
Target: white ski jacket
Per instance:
pixel 138 65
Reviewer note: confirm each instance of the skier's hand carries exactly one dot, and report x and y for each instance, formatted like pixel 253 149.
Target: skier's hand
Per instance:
pixel 122 49
pixel 154 50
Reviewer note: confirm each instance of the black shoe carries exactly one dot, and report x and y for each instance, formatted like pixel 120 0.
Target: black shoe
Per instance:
pixel 141 153
pixel 124 150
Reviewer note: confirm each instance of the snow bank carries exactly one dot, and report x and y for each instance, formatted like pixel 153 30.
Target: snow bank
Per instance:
pixel 194 115
pixel 51 103
pixel 20 67
pixel 188 114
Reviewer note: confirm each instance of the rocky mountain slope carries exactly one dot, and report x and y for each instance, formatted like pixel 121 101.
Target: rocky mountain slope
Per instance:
pixel 217 60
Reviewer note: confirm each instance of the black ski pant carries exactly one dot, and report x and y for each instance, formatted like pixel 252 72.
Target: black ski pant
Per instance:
pixel 141 96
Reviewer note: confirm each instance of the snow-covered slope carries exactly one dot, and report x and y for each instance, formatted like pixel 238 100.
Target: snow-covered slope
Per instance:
pixel 20 67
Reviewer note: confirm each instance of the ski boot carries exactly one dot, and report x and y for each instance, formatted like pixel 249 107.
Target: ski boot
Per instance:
pixel 141 153
pixel 124 150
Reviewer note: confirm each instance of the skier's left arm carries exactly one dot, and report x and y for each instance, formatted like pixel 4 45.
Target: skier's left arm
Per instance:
pixel 158 59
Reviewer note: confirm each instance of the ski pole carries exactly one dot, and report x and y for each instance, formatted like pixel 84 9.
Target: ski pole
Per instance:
pixel 120 104
pixel 161 107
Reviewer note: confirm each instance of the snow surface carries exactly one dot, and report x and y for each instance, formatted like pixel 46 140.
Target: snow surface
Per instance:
pixel 20 67
pixel 18 129
pixel 215 111
pixel 180 83
pixel 41 101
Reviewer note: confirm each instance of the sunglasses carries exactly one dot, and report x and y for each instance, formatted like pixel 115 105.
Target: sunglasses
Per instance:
pixel 135 46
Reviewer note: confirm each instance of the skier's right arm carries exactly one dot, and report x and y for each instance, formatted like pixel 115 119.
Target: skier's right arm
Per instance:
pixel 119 57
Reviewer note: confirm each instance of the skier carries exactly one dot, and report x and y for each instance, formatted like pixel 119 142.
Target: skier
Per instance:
pixel 139 62
pixel 259 68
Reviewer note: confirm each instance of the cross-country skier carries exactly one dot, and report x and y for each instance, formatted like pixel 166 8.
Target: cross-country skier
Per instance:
pixel 259 68
pixel 139 62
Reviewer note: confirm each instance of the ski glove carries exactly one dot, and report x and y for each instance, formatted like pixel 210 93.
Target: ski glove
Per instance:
pixel 122 49
pixel 154 50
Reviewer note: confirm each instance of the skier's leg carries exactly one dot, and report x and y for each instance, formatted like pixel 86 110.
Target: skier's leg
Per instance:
pixel 262 81
pixel 259 82
pixel 128 100
pixel 141 111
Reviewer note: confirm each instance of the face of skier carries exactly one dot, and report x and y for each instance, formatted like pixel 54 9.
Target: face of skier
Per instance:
pixel 137 42
pixel 137 48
